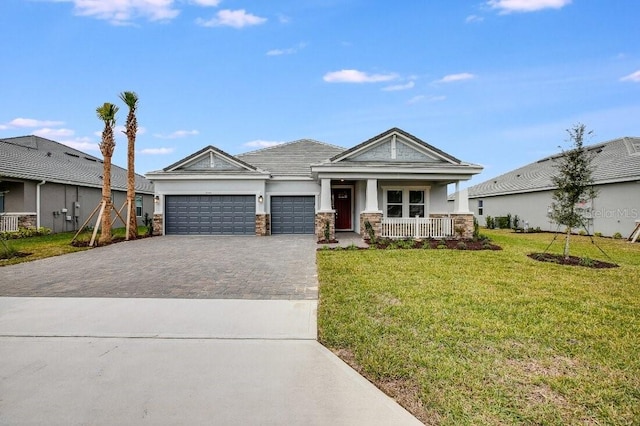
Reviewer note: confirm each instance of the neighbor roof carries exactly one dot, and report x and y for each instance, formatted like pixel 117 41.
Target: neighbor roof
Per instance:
pixel 292 158
pixel 36 158
pixel 613 161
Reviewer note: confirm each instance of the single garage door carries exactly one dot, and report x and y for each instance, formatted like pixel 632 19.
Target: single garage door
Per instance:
pixel 293 214
pixel 210 215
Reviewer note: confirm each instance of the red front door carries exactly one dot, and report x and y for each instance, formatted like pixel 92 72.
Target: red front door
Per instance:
pixel 342 206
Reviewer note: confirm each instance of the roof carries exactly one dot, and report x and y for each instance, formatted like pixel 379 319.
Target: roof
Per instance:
pixel 292 158
pixel 36 158
pixel 210 148
pixel 407 135
pixel 614 161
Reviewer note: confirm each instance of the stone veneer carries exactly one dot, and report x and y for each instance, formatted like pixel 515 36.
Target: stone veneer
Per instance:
pixel 157 224
pixel 463 222
pixel 321 219
pixel 375 219
pixel 27 220
pixel 263 226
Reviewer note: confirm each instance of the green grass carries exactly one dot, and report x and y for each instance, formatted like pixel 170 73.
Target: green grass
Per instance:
pixel 51 245
pixel 491 337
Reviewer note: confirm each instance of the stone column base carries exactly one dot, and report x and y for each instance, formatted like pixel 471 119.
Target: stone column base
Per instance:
pixel 158 224
pixel 263 225
pixel 375 219
pixel 322 219
pixel 27 221
pixel 463 225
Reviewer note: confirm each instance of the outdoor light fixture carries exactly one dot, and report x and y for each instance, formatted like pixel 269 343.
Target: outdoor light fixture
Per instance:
pixel 156 199
pixel 260 199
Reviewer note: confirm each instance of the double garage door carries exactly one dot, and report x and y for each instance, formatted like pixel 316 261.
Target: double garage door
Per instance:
pixel 236 214
pixel 210 214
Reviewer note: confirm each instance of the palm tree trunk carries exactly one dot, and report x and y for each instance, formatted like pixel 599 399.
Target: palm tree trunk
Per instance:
pixel 105 234
pixel 131 193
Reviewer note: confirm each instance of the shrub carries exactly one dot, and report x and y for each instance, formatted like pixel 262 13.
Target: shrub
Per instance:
pixel 617 236
pixel 370 232
pixel 490 223
pixel 502 222
pixel 597 234
pixel 585 261
pixel 582 232
pixel 476 229
pixel 461 245
pixel 516 222
pixel 148 222
pixel 25 233
pixel 327 230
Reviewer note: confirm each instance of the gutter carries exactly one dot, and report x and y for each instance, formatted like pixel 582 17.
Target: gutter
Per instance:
pixel 38 203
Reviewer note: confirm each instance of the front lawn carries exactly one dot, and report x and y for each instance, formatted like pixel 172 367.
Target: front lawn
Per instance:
pixel 491 337
pixel 44 246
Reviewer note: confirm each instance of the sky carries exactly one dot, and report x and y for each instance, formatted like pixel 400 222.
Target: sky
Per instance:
pixel 492 82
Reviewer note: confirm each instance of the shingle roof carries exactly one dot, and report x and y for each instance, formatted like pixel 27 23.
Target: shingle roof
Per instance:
pixel 36 158
pixel 205 149
pixel 613 161
pixel 292 158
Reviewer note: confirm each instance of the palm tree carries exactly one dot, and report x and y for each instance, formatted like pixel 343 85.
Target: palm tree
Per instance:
pixel 107 113
pixel 131 100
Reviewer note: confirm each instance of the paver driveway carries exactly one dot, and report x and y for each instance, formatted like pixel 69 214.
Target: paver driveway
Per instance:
pixel 276 267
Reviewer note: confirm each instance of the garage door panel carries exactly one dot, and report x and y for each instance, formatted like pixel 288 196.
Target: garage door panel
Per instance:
pixel 210 214
pixel 292 214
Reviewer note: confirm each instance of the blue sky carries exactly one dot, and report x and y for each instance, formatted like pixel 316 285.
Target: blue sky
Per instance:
pixel 494 82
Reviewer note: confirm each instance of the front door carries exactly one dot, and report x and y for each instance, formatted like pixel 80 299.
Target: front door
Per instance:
pixel 342 206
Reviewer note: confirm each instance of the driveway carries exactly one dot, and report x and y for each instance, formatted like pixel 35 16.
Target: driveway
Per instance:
pixel 276 267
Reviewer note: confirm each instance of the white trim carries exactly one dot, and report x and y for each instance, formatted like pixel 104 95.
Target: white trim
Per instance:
pixel 228 158
pixel 270 194
pixel 217 176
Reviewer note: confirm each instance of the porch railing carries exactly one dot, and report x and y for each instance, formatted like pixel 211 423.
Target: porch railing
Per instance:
pixel 8 223
pixel 417 227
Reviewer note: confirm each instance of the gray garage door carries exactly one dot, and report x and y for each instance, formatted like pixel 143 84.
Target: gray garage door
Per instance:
pixel 293 214
pixel 210 214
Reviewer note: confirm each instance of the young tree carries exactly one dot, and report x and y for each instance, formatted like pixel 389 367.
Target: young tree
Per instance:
pixel 107 113
pixel 574 184
pixel 131 100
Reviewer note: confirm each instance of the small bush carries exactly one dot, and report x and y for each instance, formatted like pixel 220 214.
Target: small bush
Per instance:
pixel 327 230
pixel 597 234
pixel 490 223
pixel 585 261
pixel 370 232
pixel 617 236
pixel 516 222
pixel 582 232
pixel 461 245
pixel 25 233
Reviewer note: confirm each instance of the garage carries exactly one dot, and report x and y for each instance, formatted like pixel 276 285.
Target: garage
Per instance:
pixel 293 214
pixel 210 215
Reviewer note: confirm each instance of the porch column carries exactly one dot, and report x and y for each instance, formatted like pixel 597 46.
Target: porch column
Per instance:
pixel 461 200
pixel 372 196
pixel 325 195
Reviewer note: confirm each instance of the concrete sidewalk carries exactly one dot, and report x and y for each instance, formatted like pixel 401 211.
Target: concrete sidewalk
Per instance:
pixel 176 361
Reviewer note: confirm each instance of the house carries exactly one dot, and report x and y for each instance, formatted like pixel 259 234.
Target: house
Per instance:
pixel 527 191
pixel 394 181
pixel 45 183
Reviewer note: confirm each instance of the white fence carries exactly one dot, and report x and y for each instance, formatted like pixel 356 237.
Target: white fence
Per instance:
pixel 418 227
pixel 8 223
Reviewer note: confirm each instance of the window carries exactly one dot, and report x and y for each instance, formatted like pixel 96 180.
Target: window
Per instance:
pixel 1 202
pixel 394 203
pixel 480 207
pixel 416 203
pixel 138 205
pixel 406 202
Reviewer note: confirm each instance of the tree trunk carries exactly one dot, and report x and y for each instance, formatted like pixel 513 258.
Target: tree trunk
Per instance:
pixel 566 243
pixel 131 193
pixel 105 233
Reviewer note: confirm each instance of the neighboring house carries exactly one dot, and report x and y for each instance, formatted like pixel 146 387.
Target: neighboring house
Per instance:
pixel 45 183
pixel 394 180
pixel 527 191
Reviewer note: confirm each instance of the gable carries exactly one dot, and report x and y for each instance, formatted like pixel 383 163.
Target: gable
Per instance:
pixel 213 161
pixel 210 159
pixel 395 146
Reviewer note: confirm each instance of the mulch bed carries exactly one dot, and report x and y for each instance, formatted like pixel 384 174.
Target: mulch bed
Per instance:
pixel 16 254
pixel 571 260
pixel 426 244
pixel 85 243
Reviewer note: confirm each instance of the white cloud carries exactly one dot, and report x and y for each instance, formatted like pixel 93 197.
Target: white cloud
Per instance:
pixel 397 87
pixel 155 151
pixel 355 76
pixel 81 144
pixel 456 77
pixel 424 98
pixel 122 12
pixel 289 51
pixel 50 133
pixel 509 6
pixel 178 134
pixel 262 143
pixel 30 122
pixel 633 77
pixel 416 99
pixel 232 18
pixel 473 18
pixel 206 3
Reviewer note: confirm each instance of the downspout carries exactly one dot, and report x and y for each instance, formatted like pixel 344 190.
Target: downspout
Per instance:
pixel 38 203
